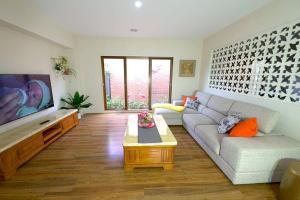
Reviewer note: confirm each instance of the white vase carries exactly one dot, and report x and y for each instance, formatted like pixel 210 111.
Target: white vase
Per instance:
pixel 79 115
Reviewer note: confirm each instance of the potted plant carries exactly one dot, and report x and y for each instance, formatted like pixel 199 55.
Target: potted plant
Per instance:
pixel 76 101
pixel 61 66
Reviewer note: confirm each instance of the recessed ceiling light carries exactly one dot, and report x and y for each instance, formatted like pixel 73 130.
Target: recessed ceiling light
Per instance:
pixel 138 4
pixel 134 30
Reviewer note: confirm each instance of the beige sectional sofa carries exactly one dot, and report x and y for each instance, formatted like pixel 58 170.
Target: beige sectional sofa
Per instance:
pixel 260 159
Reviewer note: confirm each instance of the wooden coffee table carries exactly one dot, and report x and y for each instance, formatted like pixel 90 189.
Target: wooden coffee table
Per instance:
pixel 148 154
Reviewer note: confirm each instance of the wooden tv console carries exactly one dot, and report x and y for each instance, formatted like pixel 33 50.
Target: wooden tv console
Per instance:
pixel 19 145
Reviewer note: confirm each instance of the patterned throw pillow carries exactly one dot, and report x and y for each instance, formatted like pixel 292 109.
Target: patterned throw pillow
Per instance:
pixel 200 108
pixel 229 122
pixel 193 104
pixel 184 99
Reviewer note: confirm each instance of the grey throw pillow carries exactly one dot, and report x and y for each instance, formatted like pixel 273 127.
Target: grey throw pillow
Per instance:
pixel 193 104
pixel 229 122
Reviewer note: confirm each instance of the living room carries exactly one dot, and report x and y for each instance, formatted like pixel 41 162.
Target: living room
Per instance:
pixel 66 46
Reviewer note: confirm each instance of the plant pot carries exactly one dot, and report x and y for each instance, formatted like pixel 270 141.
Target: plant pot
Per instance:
pixel 79 115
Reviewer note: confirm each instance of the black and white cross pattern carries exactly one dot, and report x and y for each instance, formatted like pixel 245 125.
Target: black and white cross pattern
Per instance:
pixel 266 65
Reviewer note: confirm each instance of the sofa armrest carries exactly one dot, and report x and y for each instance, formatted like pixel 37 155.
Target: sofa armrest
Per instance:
pixel 177 102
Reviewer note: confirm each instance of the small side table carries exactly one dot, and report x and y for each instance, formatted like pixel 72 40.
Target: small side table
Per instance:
pixel 290 183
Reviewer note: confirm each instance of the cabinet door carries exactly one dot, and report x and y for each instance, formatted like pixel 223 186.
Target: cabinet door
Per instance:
pixel 68 122
pixel 8 163
pixel 29 147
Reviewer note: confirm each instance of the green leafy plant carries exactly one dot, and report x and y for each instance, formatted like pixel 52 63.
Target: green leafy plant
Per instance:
pixel 76 101
pixel 114 104
pixel 137 105
pixel 61 66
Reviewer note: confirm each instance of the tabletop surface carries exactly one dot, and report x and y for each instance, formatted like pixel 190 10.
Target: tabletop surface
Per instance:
pixel 131 132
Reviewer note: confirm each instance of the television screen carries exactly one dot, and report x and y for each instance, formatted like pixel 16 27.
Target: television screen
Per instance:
pixel 23 94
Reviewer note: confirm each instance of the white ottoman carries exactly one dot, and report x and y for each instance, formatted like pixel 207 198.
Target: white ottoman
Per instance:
pixel 171 117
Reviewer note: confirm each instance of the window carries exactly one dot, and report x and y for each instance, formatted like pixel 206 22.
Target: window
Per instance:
pixel 136 82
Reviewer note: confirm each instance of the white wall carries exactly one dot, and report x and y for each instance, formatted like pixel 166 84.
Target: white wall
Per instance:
pixel 22 53
pixel 88 51
pixel 25 15
pixel 277 13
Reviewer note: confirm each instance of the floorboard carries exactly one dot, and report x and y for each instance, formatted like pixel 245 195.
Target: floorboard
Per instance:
pixel 87 163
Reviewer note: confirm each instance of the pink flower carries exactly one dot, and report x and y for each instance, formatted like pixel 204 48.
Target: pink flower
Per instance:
pixel 142 115
pixel 145 117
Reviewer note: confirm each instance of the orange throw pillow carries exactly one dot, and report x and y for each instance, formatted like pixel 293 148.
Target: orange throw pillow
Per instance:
pixel 184 98
pixel 246 128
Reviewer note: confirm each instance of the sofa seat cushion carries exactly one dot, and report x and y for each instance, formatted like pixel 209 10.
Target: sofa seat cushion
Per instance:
pixel 193 120
pixel 263 153
pixel 210 136
pixel 167 113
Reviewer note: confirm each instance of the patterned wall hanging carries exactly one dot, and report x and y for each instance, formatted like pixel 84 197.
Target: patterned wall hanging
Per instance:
pixel 266 65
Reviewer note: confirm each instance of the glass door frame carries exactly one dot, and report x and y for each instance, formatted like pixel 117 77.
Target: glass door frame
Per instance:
pixel 150 77
pixel 124 58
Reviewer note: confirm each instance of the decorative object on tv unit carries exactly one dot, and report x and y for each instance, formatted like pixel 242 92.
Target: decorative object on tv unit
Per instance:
pixel 266 65
pixel 187 68
pixel 61 66
pixel 23 94
pixel 76 101
pixel 145 120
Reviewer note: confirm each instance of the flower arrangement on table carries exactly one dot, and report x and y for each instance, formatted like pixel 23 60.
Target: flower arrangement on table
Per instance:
pixel 145 120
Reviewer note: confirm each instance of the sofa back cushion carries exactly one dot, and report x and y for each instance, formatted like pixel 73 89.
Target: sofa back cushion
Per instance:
pixel 266 118
pixel 216 116
pixel 200 108
pixel 203 97
pixel 220 104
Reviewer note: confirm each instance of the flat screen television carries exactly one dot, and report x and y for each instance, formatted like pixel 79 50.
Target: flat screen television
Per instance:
pixel 24 94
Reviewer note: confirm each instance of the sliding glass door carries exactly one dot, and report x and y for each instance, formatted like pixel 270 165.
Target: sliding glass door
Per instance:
pixel 131 83
pixel 113 73
pixel 137 83
pixel 161 80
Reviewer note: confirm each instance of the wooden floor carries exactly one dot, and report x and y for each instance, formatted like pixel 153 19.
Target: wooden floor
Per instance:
pixel 87 163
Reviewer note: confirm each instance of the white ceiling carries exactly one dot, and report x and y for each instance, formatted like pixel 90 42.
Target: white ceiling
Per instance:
pixel 156 18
